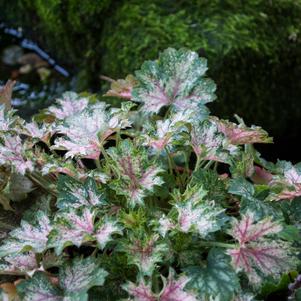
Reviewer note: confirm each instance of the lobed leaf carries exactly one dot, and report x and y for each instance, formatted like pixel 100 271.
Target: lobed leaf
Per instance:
pixel 176 79
pixel 122 87
pixel 75 279
pixel 196 214
pixel 75 227
pixel 31 236
pixel 73 194
pixel 174 289
pixel 209 144
pixel 12 153
pixel 256 254
pixel 216 280
pixel 20 262
pixel 241 134
pixel 70 104
pixel 145 254
pixel 137 176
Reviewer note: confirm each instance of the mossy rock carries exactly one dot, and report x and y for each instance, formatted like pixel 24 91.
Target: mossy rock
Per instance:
pixel 253 48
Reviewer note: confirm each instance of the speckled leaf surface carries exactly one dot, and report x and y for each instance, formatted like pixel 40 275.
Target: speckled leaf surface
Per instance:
pixel 32 236
pixel 217 279
pixel 73 194
pixel 176 79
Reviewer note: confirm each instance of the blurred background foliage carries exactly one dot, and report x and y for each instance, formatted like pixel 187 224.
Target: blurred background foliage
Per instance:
pixel 253 49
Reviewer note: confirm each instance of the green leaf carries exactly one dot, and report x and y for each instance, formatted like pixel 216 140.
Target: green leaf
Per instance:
pixel 38 288
pixel 292 210
pixel 298 295
pixel 215 186
pixel 290 233
pixel 177 79
pixel 242 187
pixel 217 280
pixel 75 194
pixel 272 286
pixel 260 209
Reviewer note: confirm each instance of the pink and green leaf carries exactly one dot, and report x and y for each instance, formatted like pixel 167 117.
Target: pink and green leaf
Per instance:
pixel 12 153
pixel 29 236
pixel 70 104
pixel 176 79
pixel 75 194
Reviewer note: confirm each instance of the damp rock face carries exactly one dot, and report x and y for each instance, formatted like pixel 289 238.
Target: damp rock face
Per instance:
pixel 253 49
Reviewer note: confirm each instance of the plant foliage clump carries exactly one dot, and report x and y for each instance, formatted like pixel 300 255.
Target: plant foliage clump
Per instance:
pixel 153 200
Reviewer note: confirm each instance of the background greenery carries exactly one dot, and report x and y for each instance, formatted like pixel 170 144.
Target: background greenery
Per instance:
pixel 253 48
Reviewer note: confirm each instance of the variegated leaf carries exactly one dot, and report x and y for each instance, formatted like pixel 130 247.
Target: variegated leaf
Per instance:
pixel 72 228
pixel 145 254
pixel 140 292
pixel 8 119
pixel 20 262
pixel 73 194
pixel 77 277
pixel 76 227
pixel 12 153
pixel 289 184
pixel 165 225
pixel 87 130
pixel 174 289
pixel 38 288
pixel 195 214
pixel 104 232
pixel 241 134
pixel 209 144
pixel 168 131
pixel 256 254
pixel 39 132
pixel 32 236
pixel 137 176
pixel 82 132
pixel 176 79
pixel 122 87
pixel 70 104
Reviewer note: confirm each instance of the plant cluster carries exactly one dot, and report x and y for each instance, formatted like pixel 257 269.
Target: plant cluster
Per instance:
pixel 153 200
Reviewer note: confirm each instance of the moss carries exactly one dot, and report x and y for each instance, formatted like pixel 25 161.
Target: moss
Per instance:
pixel 253 47
pixel 69 29
pixel 138 31
pixel 253 51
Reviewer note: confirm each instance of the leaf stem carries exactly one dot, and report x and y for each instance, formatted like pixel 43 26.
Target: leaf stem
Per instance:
pixel 97 163
pixel 170 164
pixel 208 164
pixel 198 162
pixel 217 244
pixel 103 151
pixel 40 181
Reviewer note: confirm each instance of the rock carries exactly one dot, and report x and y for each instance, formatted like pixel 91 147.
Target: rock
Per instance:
pixel 11 55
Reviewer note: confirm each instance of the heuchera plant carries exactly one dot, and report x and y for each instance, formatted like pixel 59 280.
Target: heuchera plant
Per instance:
pixel 153 200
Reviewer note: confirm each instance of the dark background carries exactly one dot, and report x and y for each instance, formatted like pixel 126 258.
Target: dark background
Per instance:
pixel 253 50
